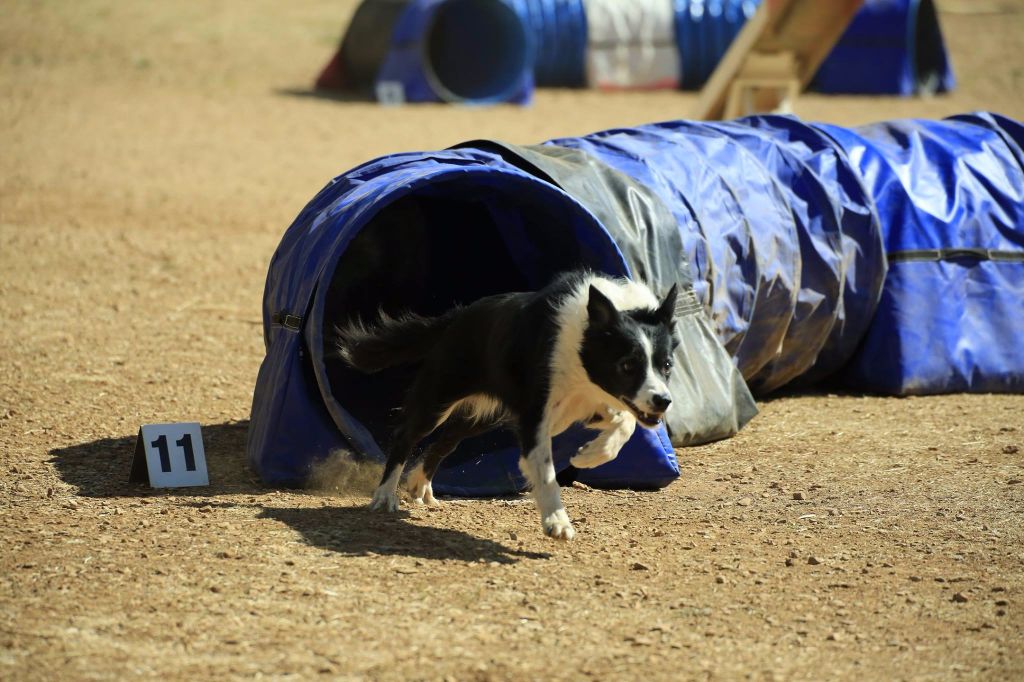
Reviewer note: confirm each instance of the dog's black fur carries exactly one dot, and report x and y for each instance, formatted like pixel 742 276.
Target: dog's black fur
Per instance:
pixel 503 360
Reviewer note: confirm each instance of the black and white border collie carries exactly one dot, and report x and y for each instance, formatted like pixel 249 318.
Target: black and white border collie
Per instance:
pixel 586 348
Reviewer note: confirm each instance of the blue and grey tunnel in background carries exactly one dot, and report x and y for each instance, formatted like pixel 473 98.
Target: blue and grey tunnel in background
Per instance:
pixel 472 51
pixel 888 257
pixel 486 51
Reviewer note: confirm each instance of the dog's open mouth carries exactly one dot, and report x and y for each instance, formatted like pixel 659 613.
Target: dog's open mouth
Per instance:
pixel 645 418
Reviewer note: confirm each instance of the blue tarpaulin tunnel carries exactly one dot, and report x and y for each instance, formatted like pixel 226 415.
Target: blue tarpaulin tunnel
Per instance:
pixel 889 257
pixel 486 51
pixel 425 232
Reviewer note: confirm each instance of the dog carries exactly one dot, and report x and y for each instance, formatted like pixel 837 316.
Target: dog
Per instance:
pixel 586 348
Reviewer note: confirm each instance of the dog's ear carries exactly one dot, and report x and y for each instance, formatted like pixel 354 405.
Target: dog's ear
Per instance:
pixel 600 311
pixel 667 309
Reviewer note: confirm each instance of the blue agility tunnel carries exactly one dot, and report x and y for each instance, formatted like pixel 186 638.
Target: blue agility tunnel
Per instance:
pixel 486 51
pixel 466 51
pixel 424 232
pixel 888 257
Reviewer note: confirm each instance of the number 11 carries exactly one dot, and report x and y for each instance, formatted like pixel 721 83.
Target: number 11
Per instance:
pixel 185 443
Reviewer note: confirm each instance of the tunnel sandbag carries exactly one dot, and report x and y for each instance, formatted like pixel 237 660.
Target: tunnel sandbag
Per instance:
pixel 951 197
pixel 892 47
pixel 420 232
pixel 468 51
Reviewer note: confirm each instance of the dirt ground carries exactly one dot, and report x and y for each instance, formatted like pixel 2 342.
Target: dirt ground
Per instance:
pixel 151 155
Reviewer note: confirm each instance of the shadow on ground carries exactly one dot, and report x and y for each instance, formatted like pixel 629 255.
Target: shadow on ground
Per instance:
pixel 327 95
pixel 356 531
pixel 100 468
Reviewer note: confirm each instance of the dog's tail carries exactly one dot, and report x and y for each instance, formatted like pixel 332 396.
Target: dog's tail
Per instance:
pixel 389 341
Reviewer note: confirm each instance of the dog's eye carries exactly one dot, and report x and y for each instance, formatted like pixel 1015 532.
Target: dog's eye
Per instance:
pixel 666 369
pixel 627 366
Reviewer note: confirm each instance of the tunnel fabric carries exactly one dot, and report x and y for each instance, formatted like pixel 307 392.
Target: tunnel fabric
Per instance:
pixel 785 230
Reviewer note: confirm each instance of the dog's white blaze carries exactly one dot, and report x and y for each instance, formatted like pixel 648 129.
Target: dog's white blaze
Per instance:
pixel 653 383
pixel 574 396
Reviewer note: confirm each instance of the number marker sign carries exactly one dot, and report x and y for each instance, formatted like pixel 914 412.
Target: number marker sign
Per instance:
pixel 170 456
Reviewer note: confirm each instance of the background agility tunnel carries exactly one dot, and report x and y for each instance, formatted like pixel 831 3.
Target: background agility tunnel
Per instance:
pixel 483 51
pixel 473 51
pixel 888 257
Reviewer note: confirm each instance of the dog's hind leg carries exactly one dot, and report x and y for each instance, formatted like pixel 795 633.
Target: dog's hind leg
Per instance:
pixel 385 498
pixel 451 433
pixel 538 467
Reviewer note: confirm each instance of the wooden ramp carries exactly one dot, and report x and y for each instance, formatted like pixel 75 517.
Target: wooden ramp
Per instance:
pixel 774 57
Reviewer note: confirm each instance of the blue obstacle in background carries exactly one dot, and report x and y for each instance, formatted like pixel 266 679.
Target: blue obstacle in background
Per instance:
pixel 457 51
pixel 704 31
pixel 487 51
pixel 892 47
pixel 784 228
pixel 560 40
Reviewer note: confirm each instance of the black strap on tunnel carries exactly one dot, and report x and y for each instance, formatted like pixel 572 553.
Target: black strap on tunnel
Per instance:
pixel 955 253
pixel 286 320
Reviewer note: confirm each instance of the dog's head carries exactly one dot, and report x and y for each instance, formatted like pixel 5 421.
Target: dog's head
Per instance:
pixel 628 354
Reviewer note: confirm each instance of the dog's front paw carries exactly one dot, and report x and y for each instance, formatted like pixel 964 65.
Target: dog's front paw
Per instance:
pixel 384 501
pixel 591 456
pixel 558 526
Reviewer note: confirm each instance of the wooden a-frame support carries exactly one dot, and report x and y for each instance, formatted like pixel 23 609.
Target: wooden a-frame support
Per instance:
pixel 774 57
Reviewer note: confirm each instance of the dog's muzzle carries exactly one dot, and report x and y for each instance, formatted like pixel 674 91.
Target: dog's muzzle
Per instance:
pixel 649 419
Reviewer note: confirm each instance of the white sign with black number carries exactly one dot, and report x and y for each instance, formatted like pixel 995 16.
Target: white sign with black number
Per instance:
pixel 170 456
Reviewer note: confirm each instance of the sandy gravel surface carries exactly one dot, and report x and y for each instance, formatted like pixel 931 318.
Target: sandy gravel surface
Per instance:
pixel 151 154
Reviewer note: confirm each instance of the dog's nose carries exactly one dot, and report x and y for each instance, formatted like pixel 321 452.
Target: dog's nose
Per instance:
pixel 661 401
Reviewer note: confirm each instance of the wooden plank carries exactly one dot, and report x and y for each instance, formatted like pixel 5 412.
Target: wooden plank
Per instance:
pixel 712 97
pixel 813 29
pixel 761 94
pixel 805 29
